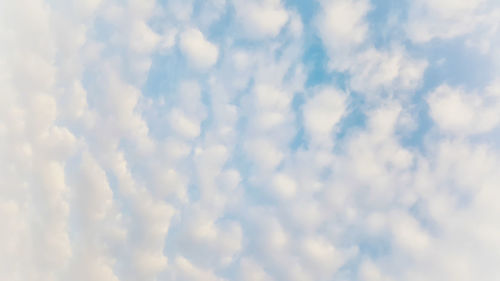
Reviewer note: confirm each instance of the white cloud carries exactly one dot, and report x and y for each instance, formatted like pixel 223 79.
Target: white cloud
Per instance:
pixel 344 31
pixel 199 51
pixel 142 38
pixel 236 172
pixel 322 112
pixel 321 256
pixel 184 270
pixel 370 272
pixel 184 125
pixel 284 186
pixel 251 271
pixel 342 25
pixel 394 70
pixel 462 113
pixel 261 18
pixel 185 119
pixel 264 153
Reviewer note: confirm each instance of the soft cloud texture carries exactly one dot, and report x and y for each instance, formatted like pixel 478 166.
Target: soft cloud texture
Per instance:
pixel 199 52
pixel 256 140
pixel 261 18
pixel 459 112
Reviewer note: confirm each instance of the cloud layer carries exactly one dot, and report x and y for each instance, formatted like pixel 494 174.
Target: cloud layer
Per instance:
pixel 259 140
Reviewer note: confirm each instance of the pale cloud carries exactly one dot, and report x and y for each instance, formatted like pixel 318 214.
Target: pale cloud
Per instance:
pixel 159 140
pixel 250 270
pixel 262 18
pixel 284 186
pixel 342 25
pixel 320 255
pixel 322 112
pixel 264 153
pixel 187 271
pixel 389 71
pixel 199 51
pixel 185 119
pixel 142 38
pixel 459 112
pixel 344 31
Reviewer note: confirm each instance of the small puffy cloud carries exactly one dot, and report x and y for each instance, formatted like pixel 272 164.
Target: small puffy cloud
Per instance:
pixel 168 38
pixel 206 242
pixel 200 52
pixel 272 106
pixel 342 24
pixel 283 186
pixel 370 272
pixel 269 97
pixel 394 70
pixel 250 270
pixel 261 18
pixel 264 153
pixel 322 112
pixel 344 30
pixel 185 270
pixel 186 117
pixel 184 125
pixel 409 236
pixel 142 38
pixel 459 112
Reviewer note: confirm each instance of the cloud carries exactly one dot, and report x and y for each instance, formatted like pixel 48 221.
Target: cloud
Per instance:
pixel 251 271
pixel 342 24
pixel 322 112
pixel 345 33
pixel 185 119
pixel 132 147
pixel 459 112
pixel 186 271
pixel 200 53
pixel 393 70
pixel 261 19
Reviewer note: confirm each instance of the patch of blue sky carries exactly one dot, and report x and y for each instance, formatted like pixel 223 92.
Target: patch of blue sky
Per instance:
pixel 306 9
pixel 316 60
pixel 165 75
pixel 218 31
pixel 371 245
pixel 454 63
pixel 384 19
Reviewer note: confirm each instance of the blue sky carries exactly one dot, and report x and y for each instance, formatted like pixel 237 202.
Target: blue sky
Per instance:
pixel 249 140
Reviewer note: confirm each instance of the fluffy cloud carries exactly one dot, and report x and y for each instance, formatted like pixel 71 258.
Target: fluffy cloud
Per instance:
pixel 342 24
pixel 459 112
pixel 199 51
pixel 344 31
pixel 322 113
pixel 251 271
pixel 262 18
pixel 134 148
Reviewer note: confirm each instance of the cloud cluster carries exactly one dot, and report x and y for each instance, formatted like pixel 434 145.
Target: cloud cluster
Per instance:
pixel 199 140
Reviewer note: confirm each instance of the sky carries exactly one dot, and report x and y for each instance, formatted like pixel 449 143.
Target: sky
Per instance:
pixel 249 140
